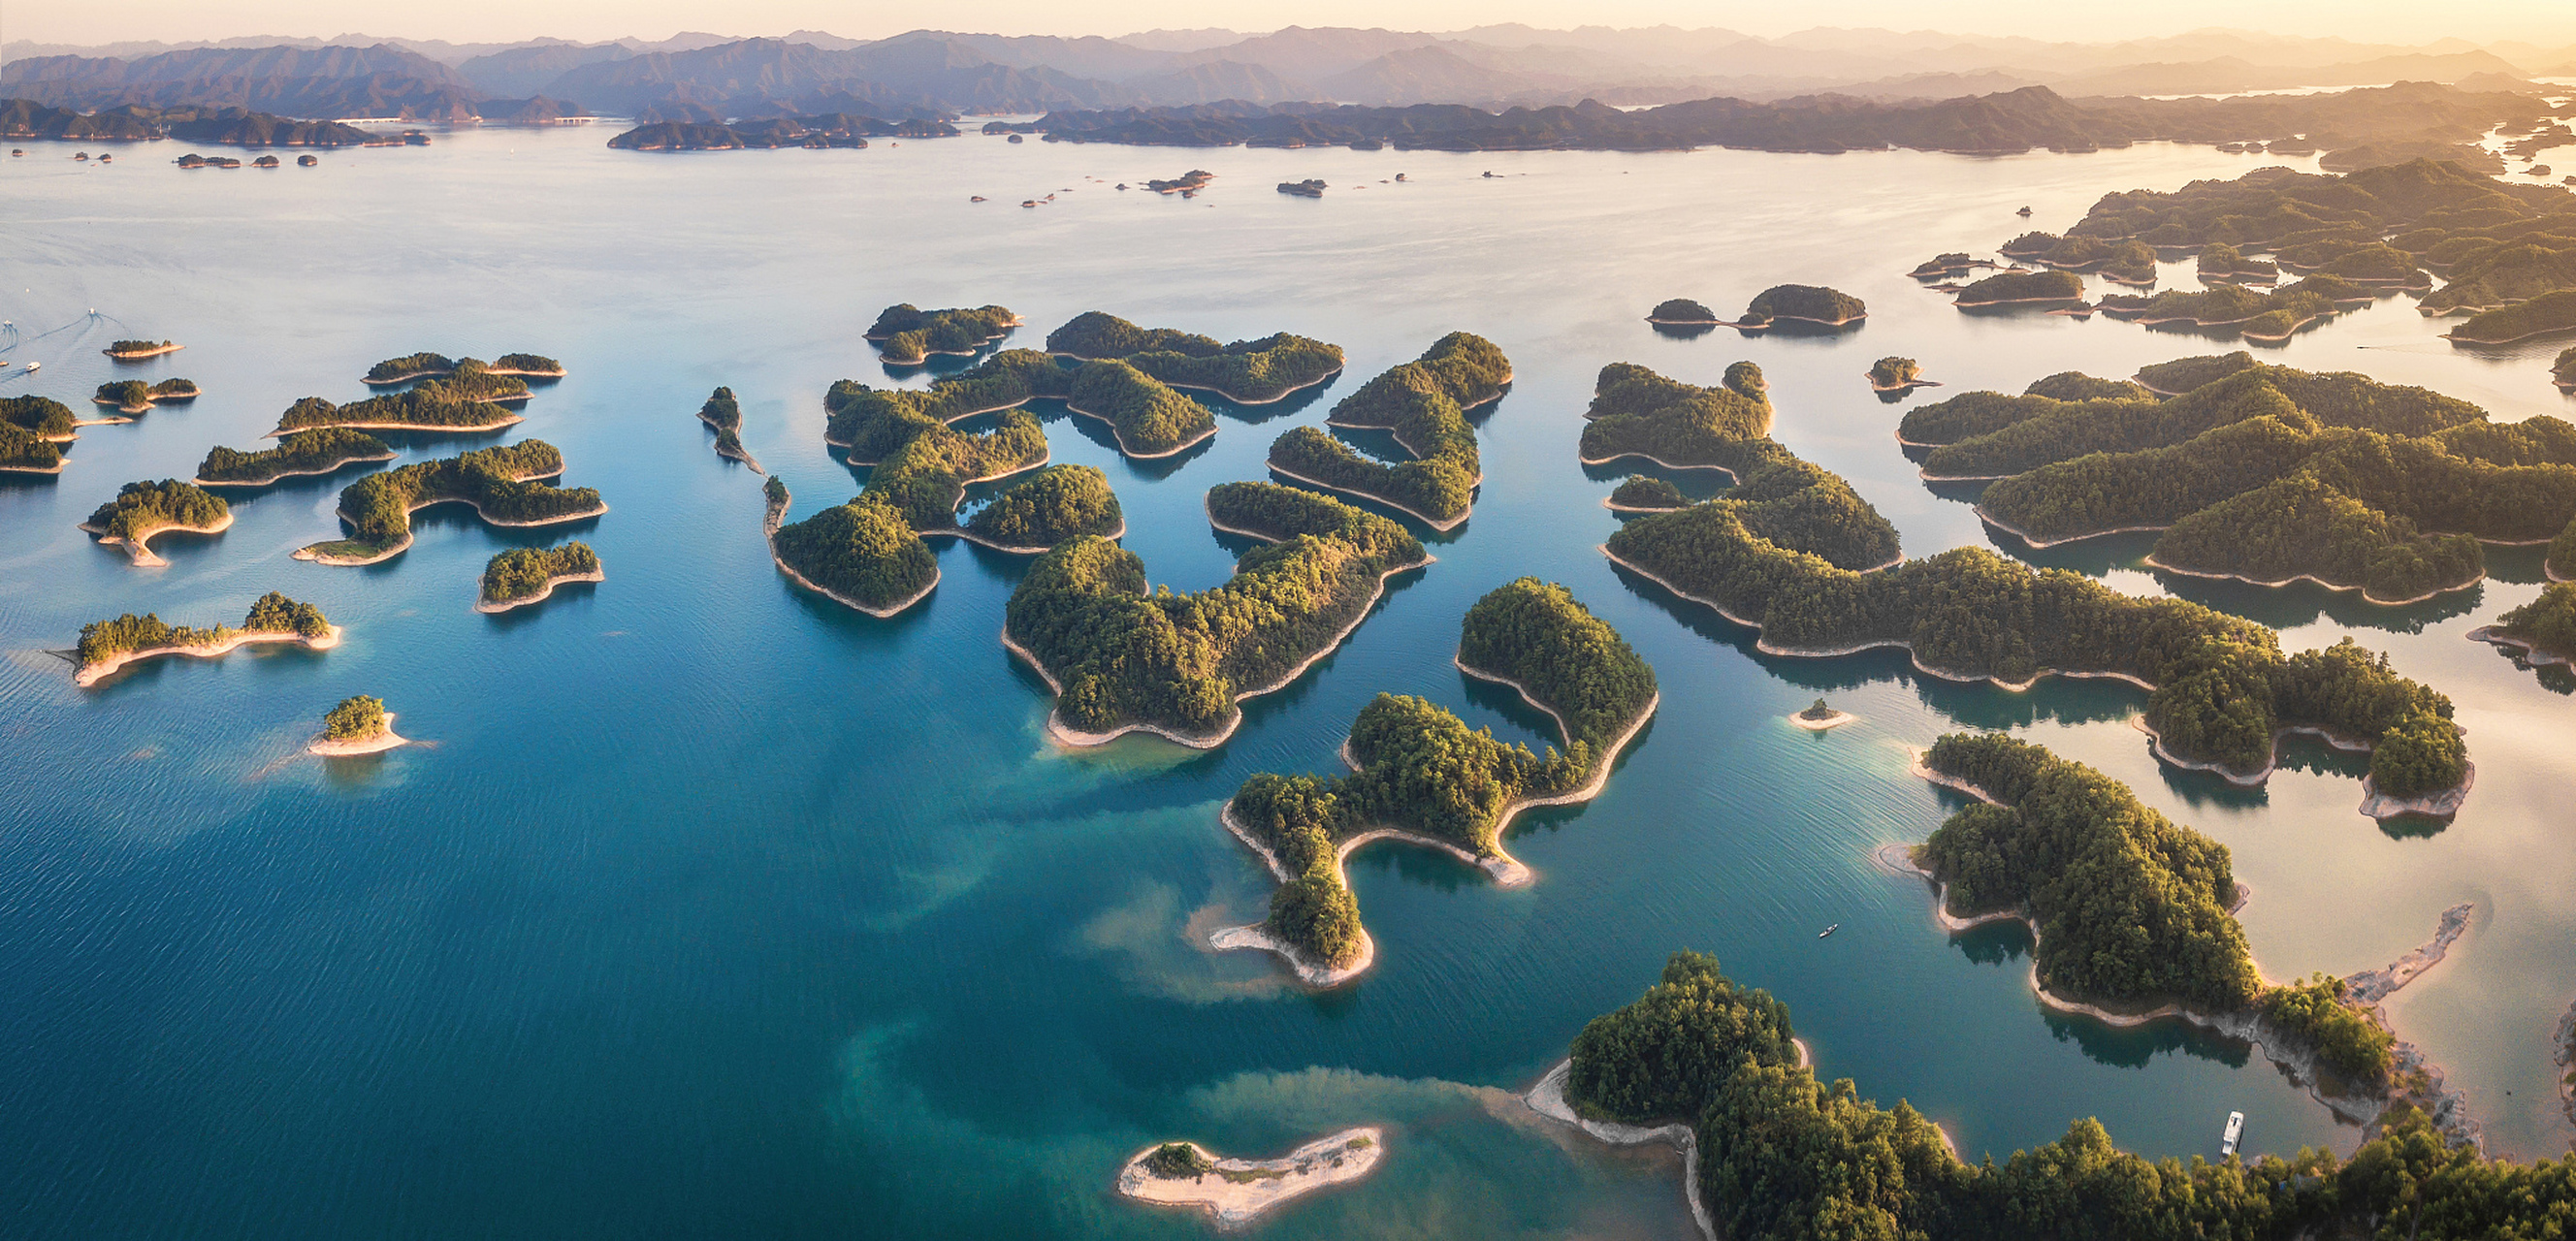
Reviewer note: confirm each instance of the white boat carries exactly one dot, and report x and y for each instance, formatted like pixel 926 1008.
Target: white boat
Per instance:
pixel 2235 1130
pixel 35 366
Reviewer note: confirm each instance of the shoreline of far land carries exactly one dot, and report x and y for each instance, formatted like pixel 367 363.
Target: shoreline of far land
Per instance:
pixel 139 545
pixel 494 607
pixel 375 743
pixel 556 373
pixel 1074 738
pixel 1234 1191
pixel 87 675
pixel 402 545
pixel 1408 510
pixel 135 355
pixel 477 429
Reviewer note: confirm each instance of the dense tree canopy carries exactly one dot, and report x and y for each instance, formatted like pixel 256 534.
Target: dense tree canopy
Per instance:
pixel 270 613
pixel 908 334
pixel 1246 370
pixel 503 484
pixel 525 572
pixel 304 452
pixel 355 719
pixel 1046 508
pixel 42 416
pixel 2023 286
pixel 1806 302
pixel 1423 403
pixel 22 449
pixel 1640 492
pixel 140 508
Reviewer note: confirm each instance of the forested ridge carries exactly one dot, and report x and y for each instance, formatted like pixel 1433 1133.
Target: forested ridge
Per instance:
pixel 1424 404
pixel 501 482
pixel 1784 1157
pixel 908 334
pixel 1122 654
pixel 1245 370
pixel 303 452
pixel 1421 769
pixel 431 406
pixel 525 572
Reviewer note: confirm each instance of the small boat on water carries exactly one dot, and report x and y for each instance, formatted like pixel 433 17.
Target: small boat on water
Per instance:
pixel 35 366
pixel 2235 1130
pixel 1829 930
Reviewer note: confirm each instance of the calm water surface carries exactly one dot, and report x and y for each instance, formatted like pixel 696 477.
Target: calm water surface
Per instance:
pixel 710 908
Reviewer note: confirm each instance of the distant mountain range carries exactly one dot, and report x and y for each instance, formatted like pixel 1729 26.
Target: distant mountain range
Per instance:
pixel 937 74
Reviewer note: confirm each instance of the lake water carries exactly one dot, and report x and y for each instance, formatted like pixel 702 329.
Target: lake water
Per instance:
pixel 711 908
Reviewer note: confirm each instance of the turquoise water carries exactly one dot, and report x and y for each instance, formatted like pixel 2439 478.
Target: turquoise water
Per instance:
pixel 712 908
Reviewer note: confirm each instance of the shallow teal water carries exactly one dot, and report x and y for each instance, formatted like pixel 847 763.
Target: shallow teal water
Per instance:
pixel 714 908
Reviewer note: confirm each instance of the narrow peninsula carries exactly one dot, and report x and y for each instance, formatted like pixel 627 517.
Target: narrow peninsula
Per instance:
pixel 109 645
pixel 523 576
pixel 1421 776
pixel 1423 404
pixel 142 510
pixel 505 485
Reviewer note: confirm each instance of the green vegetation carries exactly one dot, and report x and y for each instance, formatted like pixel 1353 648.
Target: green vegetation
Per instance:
pixel 1779 553
pixel 2023 286
pixel 1640 492
pixel 2132 910
pixel 1638 412
pixel 355 719
pixel 125 347
pixel 2542 315
pixel 2563 371
pixel 1174 1161
pixel 527 364
pixel 1421 769
pixel 1683 310
pixel 22 449
pixel 1809 303
pixel 526 572
pixel 2078 386
pixel 2548 623
pixel 2121 262
pixel 874 422
pixel 863 550
pixel 1122 655
pixel 1423 403
pixel 1818 711
pixel 1054 504
pixel 126 394
pixel 2184 374
pixel 434 405
pixel 1887 373
pixel 2257 315
pixel 2221 261
pixel 2562 554
pixel 394 370
pixel 304 452
pixel 1784 1157
pixel 101 641
pixel 42 416
pixel 501 483
pixel 141 508
pixel 2316 1014
pixel 471 380
pixel 1148 417
pixel 724 413
pixel 1251 371
pixel 2268 473
pixel 908 334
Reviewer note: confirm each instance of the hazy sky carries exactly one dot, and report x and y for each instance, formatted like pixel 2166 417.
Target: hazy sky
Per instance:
pixel 2407 21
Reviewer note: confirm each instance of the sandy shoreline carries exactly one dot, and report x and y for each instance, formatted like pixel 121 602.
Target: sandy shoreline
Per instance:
pixel 402 545
pixel 770 536
pixel 139 546
pixel 1237 1191
pixel 1584 460
pixel 2366 596
pixel 491 607
pixel 513 420
pixel 1408 510
pixel 142 353
pixel 91 674
pixel 1907 386
pixel 961 532
pixel 55 468
pixel 2033 540
pixel 377 744
pixel 1827 724
pixel 2531 654
pixel 1547 1098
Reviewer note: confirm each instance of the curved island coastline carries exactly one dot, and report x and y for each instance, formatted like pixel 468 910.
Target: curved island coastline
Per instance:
pixel 358 725
pixel 106 647
pixel 1423 405
pixel 503 485
pixel 1246 372
pixel 299 454
pixel 523 576
pixel 1234 1192
pixel 378 743
pixel 138 543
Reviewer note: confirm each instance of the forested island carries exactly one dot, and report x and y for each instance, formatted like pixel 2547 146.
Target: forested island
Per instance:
pixel 503 484
pixel 1122 658
pixel 1803 303
pixel 24 452
pixel 2543 629
pixel 724 413
pixel 413 366
pixel 1145 415
pixel 2120 262
pixel 2220 262
pixel 2546 315
pixel 1423 404
pixel 1638 493
pixel 2268 317
pixel 907 335
pixel 2265 473
pixel 357 725
pixel 1234 1192
pixel 1682 312
pixel 1420 774
pixel 299 453
pixel 1776 1155
pixel 1246 372
pixel 133 396
pixel 1793 552
pixel 108 645
pixel 142 510
pixel 2018 287
pixel 432 406
pixel 1897 375
pixel 526 575
pixel 130 350
pixel 43 417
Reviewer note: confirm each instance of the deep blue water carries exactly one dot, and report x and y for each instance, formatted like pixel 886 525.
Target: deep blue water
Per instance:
pixel 713 908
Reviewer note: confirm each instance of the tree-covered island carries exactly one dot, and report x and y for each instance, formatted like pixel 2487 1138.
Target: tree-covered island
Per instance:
pixel 1793 552
pixel 356 725
pixel 413 366
pixel 1419 774
pixel 142 510
pixel 133 396
pixel 1803 303
pixel 1423 404
pixel 1682 312
pixel 1777 1155
pixel 505 485
pixel 1234 1192
pixel 433 406
pixel 108 645
pixel 2544 630
pixel 1246 372
pixel 130 350
pixel 299 453
pixel 908 335
pixel 724 413
pixel 1638 493
pixel 2012 288
pixel 2265 473
pixel 43 417
pixel 527 575
pixel 2549 314
pixel 1123 658
pixel 2264 317
pixel 24 452
pixel 1893 374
